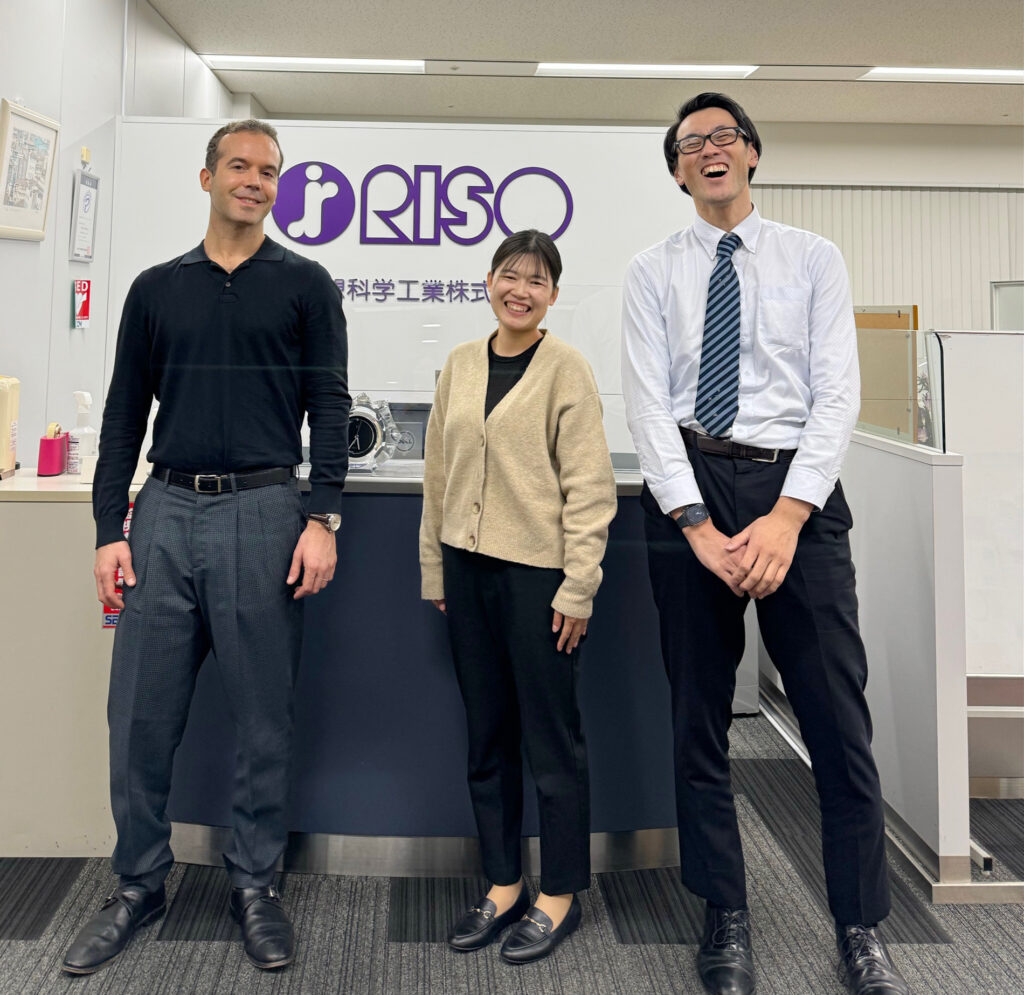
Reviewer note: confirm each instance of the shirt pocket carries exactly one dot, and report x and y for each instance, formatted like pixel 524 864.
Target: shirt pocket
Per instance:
pixel 782 317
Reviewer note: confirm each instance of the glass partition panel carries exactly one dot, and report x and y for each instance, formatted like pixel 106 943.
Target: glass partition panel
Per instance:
pixel 397 350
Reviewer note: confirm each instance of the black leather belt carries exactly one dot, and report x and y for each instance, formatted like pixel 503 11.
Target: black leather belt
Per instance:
pixel 726 447
pixel 218 483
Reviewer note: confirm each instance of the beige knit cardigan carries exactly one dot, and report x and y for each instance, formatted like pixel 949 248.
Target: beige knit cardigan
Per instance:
pixel 532 484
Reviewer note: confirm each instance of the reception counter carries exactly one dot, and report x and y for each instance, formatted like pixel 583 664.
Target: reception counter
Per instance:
pixel 380 747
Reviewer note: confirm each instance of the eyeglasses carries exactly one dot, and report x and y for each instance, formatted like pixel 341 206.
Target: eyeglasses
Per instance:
pixel 720 137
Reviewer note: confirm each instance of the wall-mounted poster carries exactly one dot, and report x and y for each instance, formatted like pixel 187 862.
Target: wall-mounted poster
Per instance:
pixel 28 153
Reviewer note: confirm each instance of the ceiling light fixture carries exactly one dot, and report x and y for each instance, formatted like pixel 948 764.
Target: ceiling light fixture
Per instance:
pixel 624 71
pixel 296 64
pixel 912 74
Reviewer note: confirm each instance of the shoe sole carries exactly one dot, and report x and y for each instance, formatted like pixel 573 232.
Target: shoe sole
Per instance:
pixel 143 923
pixel 269 965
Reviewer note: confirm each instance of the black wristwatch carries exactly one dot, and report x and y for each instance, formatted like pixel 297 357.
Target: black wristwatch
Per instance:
pixel 692 514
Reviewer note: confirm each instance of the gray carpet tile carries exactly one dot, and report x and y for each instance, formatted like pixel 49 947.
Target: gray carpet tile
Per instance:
pixel 998 825
pixel 797 826
pixel 200 908
pixel 638 936
pixel 753 736
pixel 421 910
pixel 651 906
pixel 31 889
pixel 343 926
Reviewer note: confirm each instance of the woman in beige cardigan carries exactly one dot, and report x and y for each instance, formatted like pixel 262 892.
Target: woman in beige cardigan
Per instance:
pixel 518 492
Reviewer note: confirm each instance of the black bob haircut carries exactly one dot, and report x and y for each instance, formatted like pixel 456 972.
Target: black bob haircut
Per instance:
pixel 530 244
pixel 699 103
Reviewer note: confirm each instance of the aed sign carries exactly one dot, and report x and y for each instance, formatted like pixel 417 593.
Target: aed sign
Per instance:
pixel 421 205
pixel 82 296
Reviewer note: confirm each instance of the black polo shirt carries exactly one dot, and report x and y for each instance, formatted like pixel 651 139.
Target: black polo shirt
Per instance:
pixel 235 360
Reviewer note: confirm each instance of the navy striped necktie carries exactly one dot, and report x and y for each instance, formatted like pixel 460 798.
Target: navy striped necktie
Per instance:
pixel 718 385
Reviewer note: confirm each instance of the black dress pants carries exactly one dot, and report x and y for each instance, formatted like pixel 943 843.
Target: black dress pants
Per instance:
pixel 809 627
pixel 519 691
pixel 210 575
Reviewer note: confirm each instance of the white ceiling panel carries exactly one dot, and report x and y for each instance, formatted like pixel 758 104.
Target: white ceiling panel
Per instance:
pixel 987 34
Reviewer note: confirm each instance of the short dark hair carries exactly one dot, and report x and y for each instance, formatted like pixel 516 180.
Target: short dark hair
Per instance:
pixel 531 244
pixel 232 128
pixel 699 103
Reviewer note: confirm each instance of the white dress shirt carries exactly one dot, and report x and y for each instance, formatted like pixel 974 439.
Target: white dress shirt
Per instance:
pixel 799 377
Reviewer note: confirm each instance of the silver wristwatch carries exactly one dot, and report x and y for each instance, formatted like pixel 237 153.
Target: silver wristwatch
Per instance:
pixel 331 522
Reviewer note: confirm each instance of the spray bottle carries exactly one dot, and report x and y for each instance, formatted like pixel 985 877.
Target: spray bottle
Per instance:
pixel 83 444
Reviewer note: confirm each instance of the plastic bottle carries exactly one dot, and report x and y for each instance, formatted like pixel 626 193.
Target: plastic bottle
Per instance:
pixel 83 443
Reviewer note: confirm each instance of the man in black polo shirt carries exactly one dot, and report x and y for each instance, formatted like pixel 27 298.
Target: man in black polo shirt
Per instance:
pixel 237 340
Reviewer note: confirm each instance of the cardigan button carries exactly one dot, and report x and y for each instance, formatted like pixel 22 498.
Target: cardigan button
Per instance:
pixel 482 440
pixel 472 542
pixel 476 508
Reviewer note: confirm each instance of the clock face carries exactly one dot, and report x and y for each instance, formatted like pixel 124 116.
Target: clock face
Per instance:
pixel 362 436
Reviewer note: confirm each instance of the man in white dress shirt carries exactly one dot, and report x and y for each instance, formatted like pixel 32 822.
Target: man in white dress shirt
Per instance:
pixel 741 384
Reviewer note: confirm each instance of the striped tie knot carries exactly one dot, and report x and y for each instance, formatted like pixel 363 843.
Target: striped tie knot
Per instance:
pixel 728 245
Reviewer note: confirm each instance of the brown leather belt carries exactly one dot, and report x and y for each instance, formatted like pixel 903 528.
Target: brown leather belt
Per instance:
pixel 217 483
pixel 726 447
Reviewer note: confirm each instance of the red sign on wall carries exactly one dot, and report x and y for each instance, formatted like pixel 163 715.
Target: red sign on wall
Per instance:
pixel 83 295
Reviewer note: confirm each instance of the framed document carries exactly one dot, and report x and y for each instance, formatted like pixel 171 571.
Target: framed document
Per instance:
pixel 28 154
pixel 83 215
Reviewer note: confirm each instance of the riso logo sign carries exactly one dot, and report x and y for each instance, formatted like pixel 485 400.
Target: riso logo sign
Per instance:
pixel 316 203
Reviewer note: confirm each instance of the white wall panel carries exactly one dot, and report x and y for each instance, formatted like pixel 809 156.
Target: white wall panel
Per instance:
pixel 163 76
pixel 937 248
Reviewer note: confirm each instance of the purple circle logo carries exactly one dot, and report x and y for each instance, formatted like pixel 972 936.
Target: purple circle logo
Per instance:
pixel 315 203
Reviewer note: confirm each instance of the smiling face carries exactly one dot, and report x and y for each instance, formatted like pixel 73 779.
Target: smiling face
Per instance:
pixel 243 186
pixel 717 178
pixel 521 292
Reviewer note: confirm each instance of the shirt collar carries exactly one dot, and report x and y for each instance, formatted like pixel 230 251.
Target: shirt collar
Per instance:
pixel 269 251
pixel 709 236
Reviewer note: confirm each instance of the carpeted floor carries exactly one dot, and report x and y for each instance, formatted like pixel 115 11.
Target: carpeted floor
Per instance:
pixel 384 936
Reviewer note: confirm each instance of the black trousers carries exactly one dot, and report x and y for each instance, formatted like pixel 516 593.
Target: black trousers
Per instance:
pixel 519 691
pixel 210 575
pixel 809 627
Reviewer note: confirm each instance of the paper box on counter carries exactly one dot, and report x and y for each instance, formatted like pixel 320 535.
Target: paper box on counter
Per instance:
pixel 10 392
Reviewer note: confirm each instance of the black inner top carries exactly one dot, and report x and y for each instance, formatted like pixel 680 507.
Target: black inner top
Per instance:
pixel 503 373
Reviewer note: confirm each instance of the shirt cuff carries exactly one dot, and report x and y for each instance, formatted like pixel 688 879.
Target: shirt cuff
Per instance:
pixel 325 499
pixel 676 493
pixel 807 486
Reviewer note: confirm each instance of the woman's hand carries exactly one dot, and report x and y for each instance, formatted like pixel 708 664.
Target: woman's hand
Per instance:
pixel 440 605
pixel 573 630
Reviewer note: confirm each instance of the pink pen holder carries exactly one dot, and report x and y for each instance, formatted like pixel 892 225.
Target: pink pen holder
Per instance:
pixel 53 455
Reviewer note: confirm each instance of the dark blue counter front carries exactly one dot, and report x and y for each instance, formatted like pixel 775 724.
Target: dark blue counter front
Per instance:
pixel 380 746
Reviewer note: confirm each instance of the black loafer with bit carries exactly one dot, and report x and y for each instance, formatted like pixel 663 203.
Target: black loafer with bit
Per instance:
pixel 480 925
pixel 534 936
pixel 110 930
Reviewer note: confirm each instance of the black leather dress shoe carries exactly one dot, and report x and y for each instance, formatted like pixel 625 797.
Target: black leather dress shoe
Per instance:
pixel 864 963
pixel 535 936
pixel 725 961
pixel 267 933
pixel 110 930
pixel 480 925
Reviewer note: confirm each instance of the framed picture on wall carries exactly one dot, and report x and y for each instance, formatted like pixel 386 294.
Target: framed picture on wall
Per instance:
pixel 28 154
